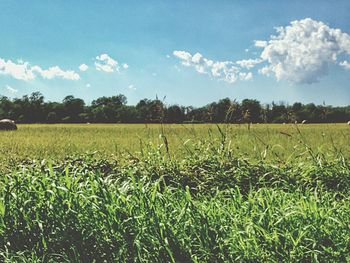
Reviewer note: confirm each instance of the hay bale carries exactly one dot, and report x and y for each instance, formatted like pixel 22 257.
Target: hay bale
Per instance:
pixel 6 125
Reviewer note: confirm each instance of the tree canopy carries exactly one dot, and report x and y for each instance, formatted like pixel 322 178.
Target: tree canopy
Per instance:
pixel 114 109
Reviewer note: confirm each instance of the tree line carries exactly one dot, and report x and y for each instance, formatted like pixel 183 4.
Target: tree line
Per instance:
pixel 34 109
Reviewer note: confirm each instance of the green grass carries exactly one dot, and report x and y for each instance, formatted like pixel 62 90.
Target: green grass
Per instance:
pixel 272 142
pixel 194 194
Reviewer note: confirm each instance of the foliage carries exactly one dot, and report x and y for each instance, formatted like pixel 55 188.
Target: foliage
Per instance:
pixel 208 206
pixel 195 193
pixel 114 109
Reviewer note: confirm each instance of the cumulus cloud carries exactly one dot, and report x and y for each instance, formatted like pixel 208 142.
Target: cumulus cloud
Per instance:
pixel 83 67
pixel 107 64
pixel 303 51
pixel 345 64
pixel 20 70
pixel 223 70
pixel 23 71
pixel 11 90
pixel 300 53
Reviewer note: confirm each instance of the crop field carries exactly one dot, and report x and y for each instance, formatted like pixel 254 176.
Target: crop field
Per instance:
pixel 175 193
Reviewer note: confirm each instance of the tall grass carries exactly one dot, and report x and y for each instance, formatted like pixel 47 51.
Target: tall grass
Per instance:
pixel 208 205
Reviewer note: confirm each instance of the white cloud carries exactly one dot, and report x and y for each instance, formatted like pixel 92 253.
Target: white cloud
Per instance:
pixel 88 85
pixel 223 70
pixel 56 71
pixel 107 64
pixel 345 64
pixel 83 67
pixel 303 51
pixel 260 43
pixel 300 53
pixel 11 90
pixel 265 71
pixel 245 76
pixel 184 56
pixel 248 63
pixel 22 71
pixel 131 87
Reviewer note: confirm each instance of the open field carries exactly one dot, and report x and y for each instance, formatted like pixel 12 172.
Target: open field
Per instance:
pixel 258 141
pixel 175 193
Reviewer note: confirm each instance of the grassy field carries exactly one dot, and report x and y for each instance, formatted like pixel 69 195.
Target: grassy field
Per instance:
pixel 257 141
pixel 175 193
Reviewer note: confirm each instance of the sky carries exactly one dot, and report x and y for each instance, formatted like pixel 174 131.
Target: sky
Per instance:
pixel 190 52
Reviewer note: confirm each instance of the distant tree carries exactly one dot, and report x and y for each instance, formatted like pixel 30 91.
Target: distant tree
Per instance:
pixel 251 110
pixel 152 111
pixel 220 110
pixel 52 117
pixel 34 109
pixel 73 107
pixel 108 109
pixel 174 114
pixel 279 113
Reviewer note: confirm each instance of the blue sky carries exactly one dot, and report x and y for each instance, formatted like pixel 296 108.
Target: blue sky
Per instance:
pixel 188 51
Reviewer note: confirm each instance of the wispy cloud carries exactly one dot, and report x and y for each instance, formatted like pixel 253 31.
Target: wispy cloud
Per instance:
pixel 260 43
pixel 107 64
pixel 228 71
pixel 248 63
pixel 11 90
pixel 131 87
pixel 345 64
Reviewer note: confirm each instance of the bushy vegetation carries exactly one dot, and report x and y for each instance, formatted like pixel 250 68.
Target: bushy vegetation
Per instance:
pixel 208 204
pixel 114 109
